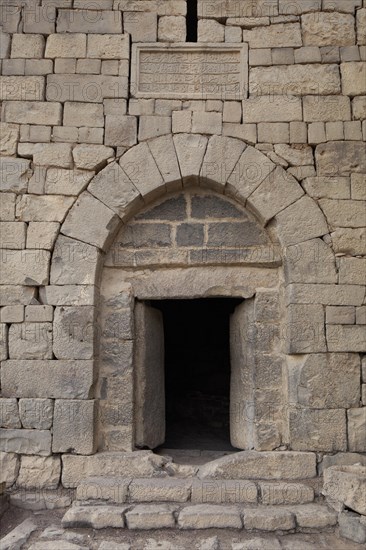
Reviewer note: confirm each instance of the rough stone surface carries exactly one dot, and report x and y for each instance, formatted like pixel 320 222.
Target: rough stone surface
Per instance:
pixel 264 465
pixel 146 516
pixel 73 426
pixel 38 472
pixel 9 468
pixel 47 379
pixel 269 519
pixel 345 486
pixel 328 29
pixel 97 517
pixel 204 516
pixel 28 442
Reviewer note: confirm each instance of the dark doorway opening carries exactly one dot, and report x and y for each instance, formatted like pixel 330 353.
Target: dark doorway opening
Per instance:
pixel 192 21
pixel 197 372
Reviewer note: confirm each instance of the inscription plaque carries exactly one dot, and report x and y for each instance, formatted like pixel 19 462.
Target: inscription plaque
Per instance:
pixel 190 71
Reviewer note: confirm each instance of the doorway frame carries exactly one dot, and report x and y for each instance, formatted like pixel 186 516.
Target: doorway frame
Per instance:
pixel 265 412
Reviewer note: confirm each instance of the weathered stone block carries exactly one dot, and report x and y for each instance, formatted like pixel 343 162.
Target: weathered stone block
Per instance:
pixel 25 267
pixel 66 182
pixel 276 192
pixel 294 80
pixel 9 135
pixel 160 490
pixel 340 158
pixel 121 130
pixel 343 213
pixel 300 221
pixel 353 78
pixel 305 329
pixel 190 152
pixel 108 46
pixel 285 493
pixel 112 187
pixel 210 30
pixel 27 45
pixel 22 88
pixel 38 314
pixel 88 21
pixel 88 207
pixel 109 489
pixel 38 472
pixel 34 208
pixel 357 429
pixel 83 268
pixel 9 468
pixel 53 379
pixel 12 235
pixel 9 414
pixel 324 381
pixel 327 108
pixel 90 157
pixel 163 151
pixel 318 430
pixel 97 517
pixel 327 187
pixel 221 157
pixel 277 36
pixel 91 88
pixel 224 491
pixel 205 516
pixel 324 294
pixel 252 168
pixel 74 330
pixel 346 338
pixel 26 442
pixel 30 341
pixel 345 486
pixel 73 426
pixel 340 315
pixel 36 413
pixel 14 174
pixel 141 26
pixel 83 114
pixel 269 519
pixel 140 166
pixel 271 108
pixel 66 45
pixel 328 29
pixel 351 527
pixel 315 516
pixel 172 29
pixel 349 241
pixel 127 465
pixel 3 341
pixel 206 123
pixel 42 235
pixel 261 465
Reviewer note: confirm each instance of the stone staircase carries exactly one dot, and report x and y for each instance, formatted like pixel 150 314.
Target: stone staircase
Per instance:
pixel 192 503
pixel 279 495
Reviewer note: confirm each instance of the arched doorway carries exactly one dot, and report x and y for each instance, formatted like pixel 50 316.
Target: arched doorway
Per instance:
pixel 172 268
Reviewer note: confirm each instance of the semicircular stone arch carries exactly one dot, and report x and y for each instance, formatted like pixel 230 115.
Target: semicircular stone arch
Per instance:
pixel 169 163
pixel 293 223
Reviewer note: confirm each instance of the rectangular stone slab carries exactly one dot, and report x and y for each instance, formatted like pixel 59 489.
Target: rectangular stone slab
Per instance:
pixel 189 71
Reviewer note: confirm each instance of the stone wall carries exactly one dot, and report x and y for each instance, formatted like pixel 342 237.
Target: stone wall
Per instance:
pixel 81 154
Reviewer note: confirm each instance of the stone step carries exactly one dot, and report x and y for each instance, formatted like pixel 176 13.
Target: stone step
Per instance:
pixel 118 490
pixel 244 465
pixel 307 517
